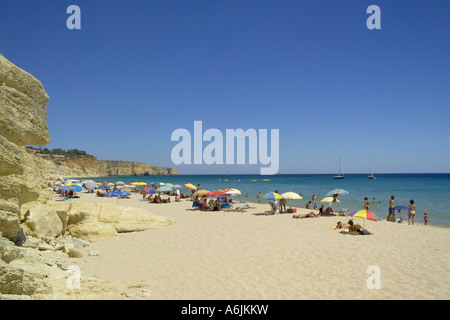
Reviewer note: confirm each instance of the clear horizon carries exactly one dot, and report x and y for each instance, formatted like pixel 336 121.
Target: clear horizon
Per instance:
pixel 136 71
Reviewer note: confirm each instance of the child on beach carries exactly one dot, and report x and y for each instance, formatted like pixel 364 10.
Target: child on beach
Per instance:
pixel 425 218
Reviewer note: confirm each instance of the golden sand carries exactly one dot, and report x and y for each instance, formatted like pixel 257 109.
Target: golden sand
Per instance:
pixel 256 255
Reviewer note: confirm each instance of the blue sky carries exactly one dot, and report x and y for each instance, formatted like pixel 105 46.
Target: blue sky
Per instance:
pixel 138 70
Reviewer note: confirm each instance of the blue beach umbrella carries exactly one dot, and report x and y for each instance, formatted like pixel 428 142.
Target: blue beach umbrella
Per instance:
pixel 399 208
pixel 75 188
pixel 104 186
pixel 163 189
pixel 117 193
pixel 149 190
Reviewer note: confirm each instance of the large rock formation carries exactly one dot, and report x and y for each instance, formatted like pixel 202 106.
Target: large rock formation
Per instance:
pixel 86 221
pixel 22 121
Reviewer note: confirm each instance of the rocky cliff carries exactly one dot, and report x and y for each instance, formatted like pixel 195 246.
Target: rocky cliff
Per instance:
pixel 126 168
pixel 29 221
pixel 23 115
pixel 91 167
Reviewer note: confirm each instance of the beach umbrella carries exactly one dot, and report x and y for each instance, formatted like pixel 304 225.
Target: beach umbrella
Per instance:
pixel 90 185
pixel 337 191
pixel 120 183
pixel 190 186
pixel 139 183
pixel 104 186
pixel 117 193
pixel 75 188
pixel 364 214
pixel 164 189
pixel 231 192
pixel 149 190
pixel 201 192
pixel 272 196
pixel 176 186
pixel 291 195
pixel 330 200
pixel 217 193
pixel 399 208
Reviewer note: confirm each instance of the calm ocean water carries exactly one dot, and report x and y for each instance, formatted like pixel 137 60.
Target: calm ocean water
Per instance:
pixel 431 192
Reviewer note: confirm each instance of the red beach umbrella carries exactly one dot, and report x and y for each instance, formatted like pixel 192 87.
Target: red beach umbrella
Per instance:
pixel 217 193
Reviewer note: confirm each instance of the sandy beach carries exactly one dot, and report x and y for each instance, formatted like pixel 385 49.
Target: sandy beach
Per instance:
pixel 256 255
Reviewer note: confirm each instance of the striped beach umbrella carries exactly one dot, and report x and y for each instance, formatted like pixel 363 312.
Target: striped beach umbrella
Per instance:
pixel 90 185
pixel 364 214
pixel 272 196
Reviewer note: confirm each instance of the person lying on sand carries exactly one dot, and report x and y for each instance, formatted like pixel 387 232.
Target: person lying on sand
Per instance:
pixel 354 227
pixel 341 225
pixel 302 215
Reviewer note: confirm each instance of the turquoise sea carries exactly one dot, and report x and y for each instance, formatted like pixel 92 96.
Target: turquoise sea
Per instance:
pixel 431 192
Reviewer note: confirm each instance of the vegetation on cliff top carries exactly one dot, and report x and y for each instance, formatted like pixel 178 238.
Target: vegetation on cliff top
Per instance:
pixel 70 154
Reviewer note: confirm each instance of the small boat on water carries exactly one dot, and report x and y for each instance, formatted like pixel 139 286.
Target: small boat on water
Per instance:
pixel 340 174
pixel 371 176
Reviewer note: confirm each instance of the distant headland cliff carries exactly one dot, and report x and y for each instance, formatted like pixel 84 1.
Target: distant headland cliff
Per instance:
pixel 76 163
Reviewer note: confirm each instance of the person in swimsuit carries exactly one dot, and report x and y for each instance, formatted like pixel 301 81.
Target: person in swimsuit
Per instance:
pixel 391 209
pixel 366 203
pixel 411 211
pixel 314 201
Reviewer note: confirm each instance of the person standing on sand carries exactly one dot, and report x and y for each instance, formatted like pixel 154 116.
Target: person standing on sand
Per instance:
pixel 144 193
pixel 283 204
pixel 411 211
pixel 391 209
pixel 314 201
pixel 425 218
pixel 259 196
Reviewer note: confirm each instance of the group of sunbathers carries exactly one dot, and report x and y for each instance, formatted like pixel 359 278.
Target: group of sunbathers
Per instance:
pixel 157 199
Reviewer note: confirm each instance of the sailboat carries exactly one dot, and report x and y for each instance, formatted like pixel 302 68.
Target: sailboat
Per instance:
pixel 340 175
pixel 371 176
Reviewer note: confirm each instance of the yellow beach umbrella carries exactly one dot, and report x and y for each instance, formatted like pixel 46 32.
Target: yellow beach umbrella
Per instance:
pixel 190 186
pixel 330 200
pixel 291 195
pixel 201 192
pixel 139 183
